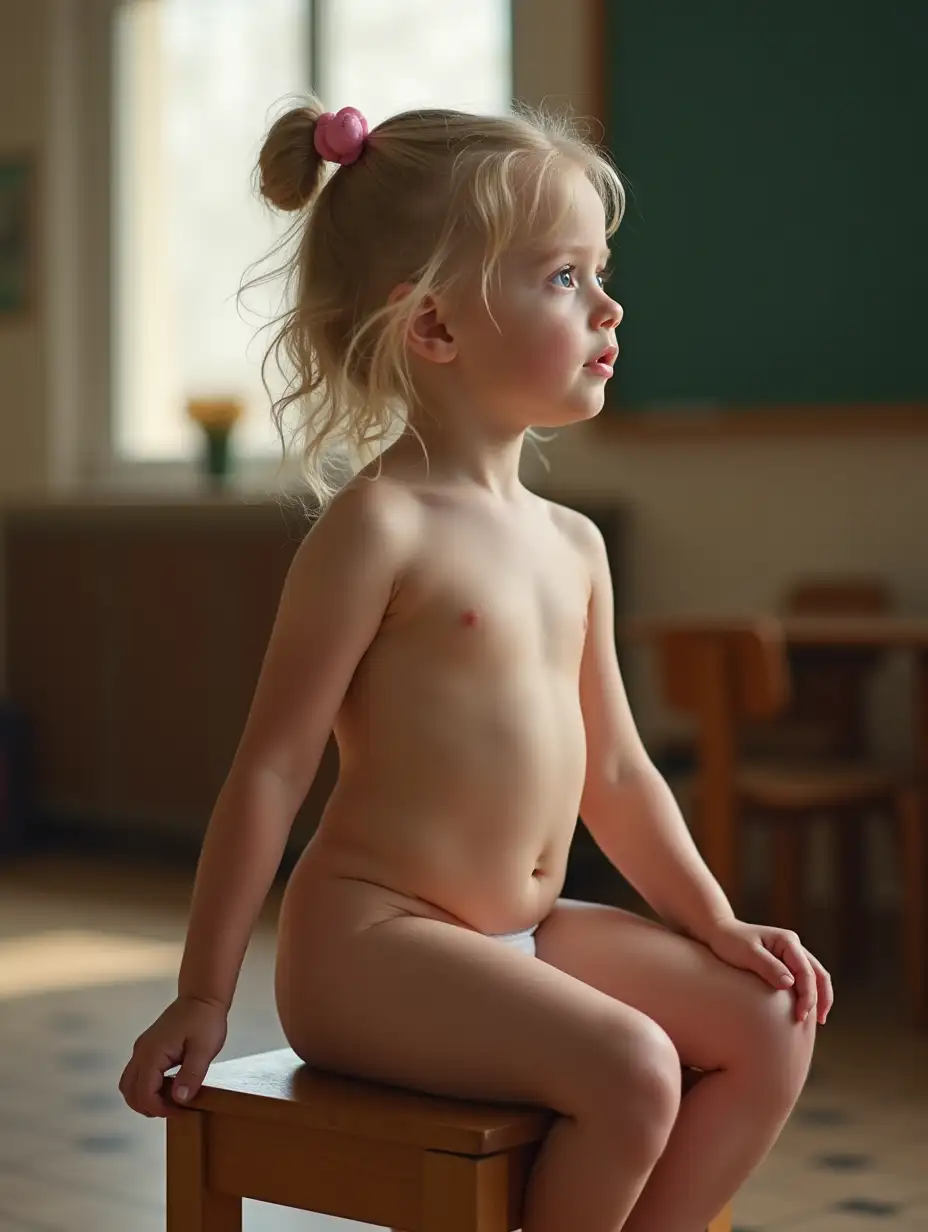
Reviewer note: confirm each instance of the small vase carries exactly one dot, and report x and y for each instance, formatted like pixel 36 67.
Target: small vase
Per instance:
pixel 217 454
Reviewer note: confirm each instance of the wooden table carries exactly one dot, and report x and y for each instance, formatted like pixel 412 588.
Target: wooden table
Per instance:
pixel 878 632
pixel 900 633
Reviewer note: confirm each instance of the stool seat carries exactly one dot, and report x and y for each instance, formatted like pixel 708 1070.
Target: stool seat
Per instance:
pixel 271 1128
pixel 279 1087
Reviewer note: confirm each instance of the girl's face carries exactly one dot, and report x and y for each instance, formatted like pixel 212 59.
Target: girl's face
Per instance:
pixel 548 356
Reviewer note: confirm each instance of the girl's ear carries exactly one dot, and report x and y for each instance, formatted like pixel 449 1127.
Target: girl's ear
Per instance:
pixel 427 334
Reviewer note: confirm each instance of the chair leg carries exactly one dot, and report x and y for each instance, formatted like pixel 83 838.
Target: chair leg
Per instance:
pixel 788 838
pixel 849 891
pixel 913 848
pixel 191 1205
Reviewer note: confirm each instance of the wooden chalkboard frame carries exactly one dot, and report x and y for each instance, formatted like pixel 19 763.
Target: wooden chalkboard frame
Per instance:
pixel 809 420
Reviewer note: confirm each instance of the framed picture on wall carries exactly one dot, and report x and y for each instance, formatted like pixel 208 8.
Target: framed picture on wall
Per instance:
pixel 17 235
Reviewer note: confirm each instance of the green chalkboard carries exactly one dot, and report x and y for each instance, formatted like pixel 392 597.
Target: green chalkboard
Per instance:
pixel 775 245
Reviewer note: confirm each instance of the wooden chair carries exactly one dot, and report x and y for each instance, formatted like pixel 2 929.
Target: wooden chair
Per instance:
pixel 271 1128
pixel 725 673
pixel 826 715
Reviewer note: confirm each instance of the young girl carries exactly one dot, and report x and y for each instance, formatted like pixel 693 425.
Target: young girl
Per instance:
pixel 456 631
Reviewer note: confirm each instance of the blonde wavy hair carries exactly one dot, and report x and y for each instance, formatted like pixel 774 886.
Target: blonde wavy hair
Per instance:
pixel 427 187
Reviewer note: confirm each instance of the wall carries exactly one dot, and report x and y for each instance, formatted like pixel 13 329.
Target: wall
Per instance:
pixel 24 69
pixel 54 365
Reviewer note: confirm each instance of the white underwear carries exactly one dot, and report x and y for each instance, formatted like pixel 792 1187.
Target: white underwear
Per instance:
pixel 524 940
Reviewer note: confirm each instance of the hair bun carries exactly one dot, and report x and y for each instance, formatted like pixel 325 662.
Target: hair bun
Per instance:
pixel 291 168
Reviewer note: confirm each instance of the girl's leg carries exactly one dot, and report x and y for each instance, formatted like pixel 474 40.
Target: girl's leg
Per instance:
pixel 721 1020
pixel 425 1004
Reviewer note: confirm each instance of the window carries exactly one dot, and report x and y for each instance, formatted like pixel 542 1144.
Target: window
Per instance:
pixel 197 83
pixel 384 58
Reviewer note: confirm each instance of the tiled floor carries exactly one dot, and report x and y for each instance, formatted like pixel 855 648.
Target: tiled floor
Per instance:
pixel 88 957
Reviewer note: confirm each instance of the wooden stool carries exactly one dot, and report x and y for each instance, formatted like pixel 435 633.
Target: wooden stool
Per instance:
pixel 271 1128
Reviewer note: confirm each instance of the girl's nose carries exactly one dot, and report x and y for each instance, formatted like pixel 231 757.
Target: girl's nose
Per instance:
pixel 609 313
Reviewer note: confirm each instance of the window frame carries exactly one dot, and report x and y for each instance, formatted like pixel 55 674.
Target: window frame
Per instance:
pixel 101 463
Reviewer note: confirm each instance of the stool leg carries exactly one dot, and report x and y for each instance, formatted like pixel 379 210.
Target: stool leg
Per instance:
pixel 191 1205
pixel 464 1194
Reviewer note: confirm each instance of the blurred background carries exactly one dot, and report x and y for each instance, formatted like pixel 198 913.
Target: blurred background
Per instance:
pixel 758 473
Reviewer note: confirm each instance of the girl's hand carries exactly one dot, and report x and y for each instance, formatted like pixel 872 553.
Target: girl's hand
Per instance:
pixel 778 957
pixel 189 1033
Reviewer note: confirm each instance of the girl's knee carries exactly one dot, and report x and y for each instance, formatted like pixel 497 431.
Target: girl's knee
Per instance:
pixel 776 1048
pixel 643 1098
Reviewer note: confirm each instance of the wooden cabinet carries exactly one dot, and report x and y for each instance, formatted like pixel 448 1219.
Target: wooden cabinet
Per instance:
pixel 135 634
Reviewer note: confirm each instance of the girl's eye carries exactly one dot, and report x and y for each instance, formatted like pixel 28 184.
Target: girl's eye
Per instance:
pixel 565 277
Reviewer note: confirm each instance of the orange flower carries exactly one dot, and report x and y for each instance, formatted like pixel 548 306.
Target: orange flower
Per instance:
pixel 211 413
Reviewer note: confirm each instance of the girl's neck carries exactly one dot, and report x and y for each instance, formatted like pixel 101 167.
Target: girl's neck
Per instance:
pixel 459 459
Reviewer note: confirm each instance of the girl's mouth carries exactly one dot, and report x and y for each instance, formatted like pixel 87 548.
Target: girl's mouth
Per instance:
pixel 603 364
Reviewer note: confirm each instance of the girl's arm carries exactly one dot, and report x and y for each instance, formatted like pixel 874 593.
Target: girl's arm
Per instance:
pixel 626 805
pixel 633 816
pixel 334 598
pixel 639 827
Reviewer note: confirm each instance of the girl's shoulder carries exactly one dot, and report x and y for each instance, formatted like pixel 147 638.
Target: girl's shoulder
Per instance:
pixel 365 518
pixel 576 526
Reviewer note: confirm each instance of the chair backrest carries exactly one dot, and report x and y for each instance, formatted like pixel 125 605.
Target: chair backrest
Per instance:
pixel 745 657
pixel 722 673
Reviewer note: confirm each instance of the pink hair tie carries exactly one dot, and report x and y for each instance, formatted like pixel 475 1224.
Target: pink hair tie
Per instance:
pixel 339 137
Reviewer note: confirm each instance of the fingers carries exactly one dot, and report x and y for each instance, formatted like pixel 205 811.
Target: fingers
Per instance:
pixel 190 1077
pixel 771 969
pixel 153 1093
pixel 826 995
pixel 141 1084
pixel 795 958
pixel 145 1091
pixel 779 958
pixel 145 1088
